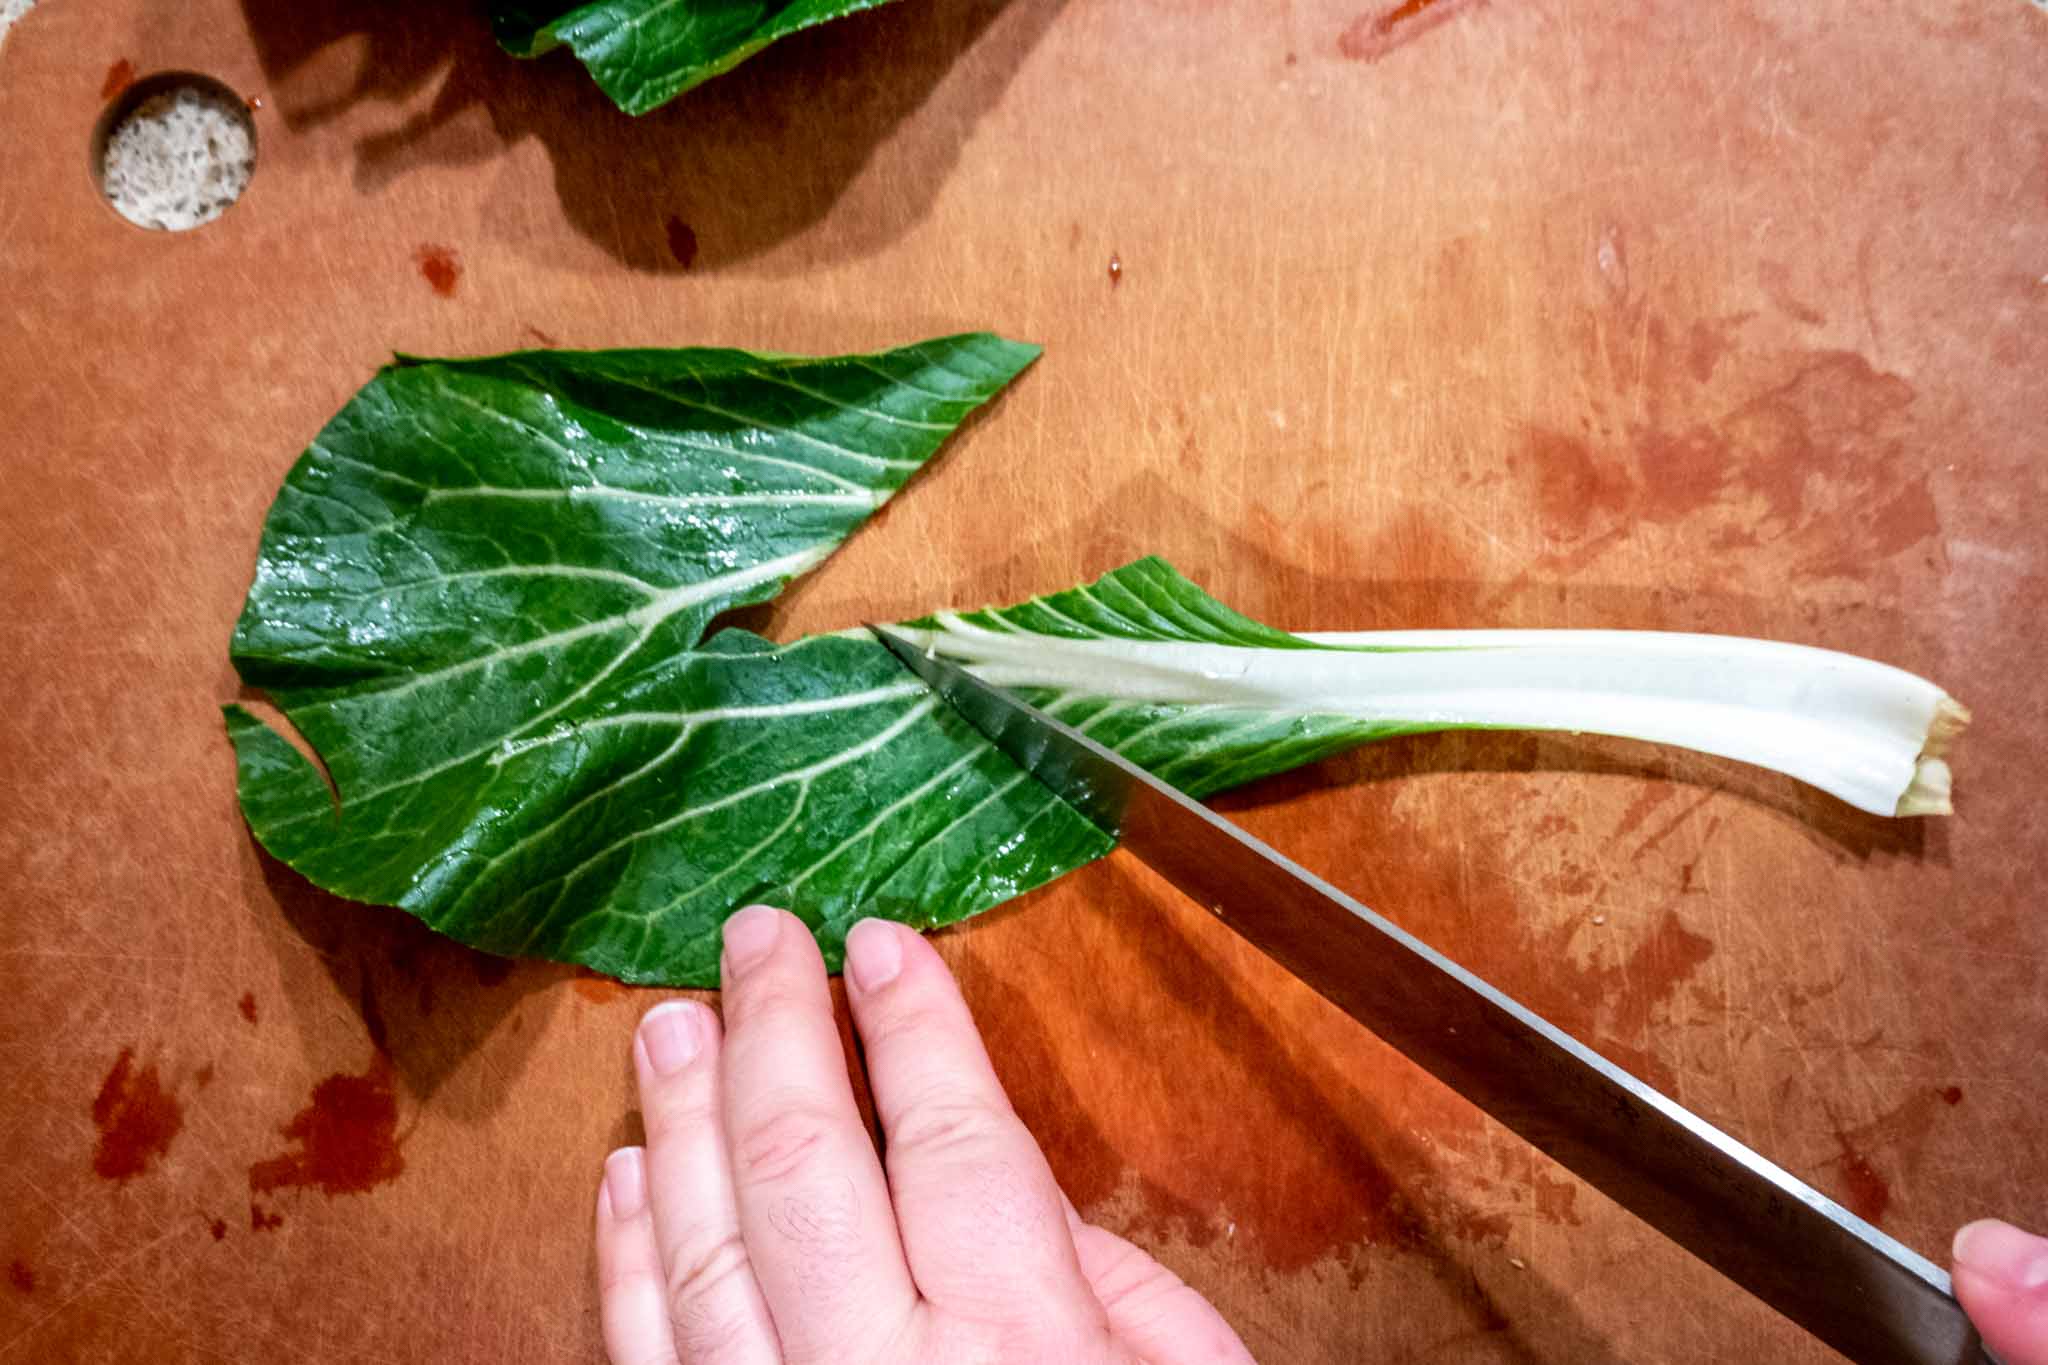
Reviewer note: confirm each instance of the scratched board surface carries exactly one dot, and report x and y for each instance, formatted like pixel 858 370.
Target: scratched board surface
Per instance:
pixel 1456 314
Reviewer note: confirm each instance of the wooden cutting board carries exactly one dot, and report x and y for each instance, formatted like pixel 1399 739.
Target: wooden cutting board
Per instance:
pixel 1693 317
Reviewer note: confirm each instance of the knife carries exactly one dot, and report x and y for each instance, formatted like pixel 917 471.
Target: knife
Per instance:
pixel 1848 1283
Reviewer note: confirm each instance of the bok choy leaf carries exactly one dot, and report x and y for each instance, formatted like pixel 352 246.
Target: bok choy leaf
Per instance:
pixel 1139 661
pixel 644 53
pixel 482 597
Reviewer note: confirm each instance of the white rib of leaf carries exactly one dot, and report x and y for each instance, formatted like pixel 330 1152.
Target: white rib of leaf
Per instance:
pixel 891 418
pixel 647 618
pixel 653 612
pixel 545 570
pixel 866 498
pixel 1206 745
pixel 932 394
pixel 331 455
pixel 664 436
pixel 1850 726
pixel 629 27
pixel 803 776
pixel 848 701
pixel 442 388
pixel 761 424
pixel 612 788
pixel 670 438
pixel 915 794
pixel 760 846
pixel 479 878
pixel 676 599
pixel 994 794
pixel 1051 610
pixel 1015 838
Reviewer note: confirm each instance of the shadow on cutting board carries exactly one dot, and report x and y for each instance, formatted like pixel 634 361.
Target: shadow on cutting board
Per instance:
pixel 1311 1166
pixel 427 1002
pixel 721 175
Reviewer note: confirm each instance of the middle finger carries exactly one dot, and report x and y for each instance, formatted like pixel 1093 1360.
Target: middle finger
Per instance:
pixel 813 1204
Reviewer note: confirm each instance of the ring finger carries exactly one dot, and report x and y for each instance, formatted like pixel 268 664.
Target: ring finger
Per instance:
pixel 714 1303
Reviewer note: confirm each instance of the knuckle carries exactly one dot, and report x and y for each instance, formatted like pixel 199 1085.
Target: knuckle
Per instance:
pixel 789 1140
pixel 644 1353
pixel 944 1121
pixel 614 1281
pixel 706 1293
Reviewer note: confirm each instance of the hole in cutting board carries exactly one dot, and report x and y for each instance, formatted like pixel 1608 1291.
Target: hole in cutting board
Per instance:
pixel 173 151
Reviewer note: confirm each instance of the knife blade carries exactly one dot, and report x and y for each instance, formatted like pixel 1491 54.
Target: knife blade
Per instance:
pixel 1848 1283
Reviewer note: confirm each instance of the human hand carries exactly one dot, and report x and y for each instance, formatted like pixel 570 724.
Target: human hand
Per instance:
pixel 2001 1280
pixel 758 1224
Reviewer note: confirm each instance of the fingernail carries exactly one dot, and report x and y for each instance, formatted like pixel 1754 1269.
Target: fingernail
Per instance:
pixel 750 934
pixel 874 954
pixel 673 1033
pixel 1999 1251
pixel 625 1182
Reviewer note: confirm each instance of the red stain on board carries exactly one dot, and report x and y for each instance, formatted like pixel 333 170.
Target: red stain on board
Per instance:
pixel 218 1227
pixel 119 77
pixel 203 1077
pixel 682 241
pixel 1557 1200
pixel 1116 270
pixel 255 103
pixel 136 1118
pixel 1372 36
pixel 21 1277
pixel 439 267
pixel 1683 473
pixel 1611 1006
pixel 1951 1094
pixel 346 1139
pixel 490 971
pixel 538 335
pixel 1776 279
pixel 1706 347
pixel 598 990
pixel 1865 1193
pixel 1816 469
pixel 262 1219
pixel 1576 490
pixel 247 1005
pixel 1831 454
pixel 1642 806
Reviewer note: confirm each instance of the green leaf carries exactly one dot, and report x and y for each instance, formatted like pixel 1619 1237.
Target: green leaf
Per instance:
pixel 477 551
pixel 644 53
pixel 817 776
pixel 482 597
pixel 820 776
